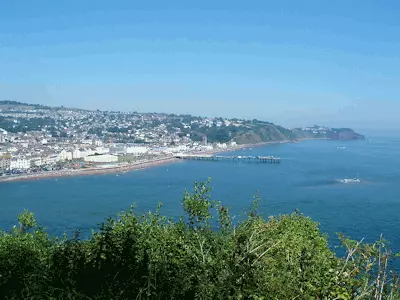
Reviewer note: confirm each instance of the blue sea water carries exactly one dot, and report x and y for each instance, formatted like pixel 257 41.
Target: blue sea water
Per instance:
pixel 307 179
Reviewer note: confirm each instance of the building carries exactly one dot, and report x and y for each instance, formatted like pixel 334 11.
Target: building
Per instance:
pixel 118 150
pixel 82 153
pixel 106 158
pixel 137 150
pixel 36 161
pixel 87 142
pixel 65 155
pixel 97 143
pixel 182 148
pixel 76 154
pixel 51 159
pixel 5 161
pixel 102 150
pixel 19 164
pixel 207 148
pixel 3 134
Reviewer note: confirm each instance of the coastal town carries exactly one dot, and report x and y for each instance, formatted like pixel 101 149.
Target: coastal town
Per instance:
pixel 36 140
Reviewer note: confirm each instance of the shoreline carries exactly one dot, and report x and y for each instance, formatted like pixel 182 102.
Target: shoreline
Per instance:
pixel 92 171
pixel 130 167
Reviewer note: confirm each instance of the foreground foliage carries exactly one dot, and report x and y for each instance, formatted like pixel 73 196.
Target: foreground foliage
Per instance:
pixel 152 257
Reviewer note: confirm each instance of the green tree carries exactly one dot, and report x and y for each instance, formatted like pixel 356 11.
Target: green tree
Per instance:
pixel 203 255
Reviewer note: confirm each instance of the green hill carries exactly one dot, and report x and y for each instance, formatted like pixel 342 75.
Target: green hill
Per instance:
pixel 8 104
pixel 220 131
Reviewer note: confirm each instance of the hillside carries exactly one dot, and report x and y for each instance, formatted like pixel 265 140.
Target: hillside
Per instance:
pixel 327 133
pixel 258 132
pixel 15 105
pixel 216 130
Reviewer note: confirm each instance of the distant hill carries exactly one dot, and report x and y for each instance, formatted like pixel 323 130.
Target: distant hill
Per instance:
pixel 328 133
pixel 237 130
pixel 255 131
pixel 344 134
pixel 9 104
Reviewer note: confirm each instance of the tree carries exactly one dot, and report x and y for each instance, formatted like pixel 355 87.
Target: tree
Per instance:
pixel 202 255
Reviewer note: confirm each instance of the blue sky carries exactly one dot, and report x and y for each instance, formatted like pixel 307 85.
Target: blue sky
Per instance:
pixel 291 62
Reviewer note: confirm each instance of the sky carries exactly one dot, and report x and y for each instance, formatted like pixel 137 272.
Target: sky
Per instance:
pixel 296 63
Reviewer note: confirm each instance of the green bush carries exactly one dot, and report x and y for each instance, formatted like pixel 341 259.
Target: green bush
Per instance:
pixel 152 257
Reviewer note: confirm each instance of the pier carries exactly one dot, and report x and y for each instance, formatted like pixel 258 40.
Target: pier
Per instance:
pixel 206 157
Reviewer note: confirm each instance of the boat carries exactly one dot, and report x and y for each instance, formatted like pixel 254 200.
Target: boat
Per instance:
pixel 350 180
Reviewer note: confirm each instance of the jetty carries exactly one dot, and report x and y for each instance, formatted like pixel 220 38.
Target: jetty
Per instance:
pixel 208 157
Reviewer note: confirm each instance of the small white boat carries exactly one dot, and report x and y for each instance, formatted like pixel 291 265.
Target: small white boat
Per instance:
pixel 350 180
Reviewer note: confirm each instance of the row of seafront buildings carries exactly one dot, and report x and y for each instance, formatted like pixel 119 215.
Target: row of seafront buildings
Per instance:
pixel 35 151
pixel 15 159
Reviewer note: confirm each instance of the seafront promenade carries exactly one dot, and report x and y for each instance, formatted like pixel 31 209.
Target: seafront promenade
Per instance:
pixel 125 167
pixel 91 171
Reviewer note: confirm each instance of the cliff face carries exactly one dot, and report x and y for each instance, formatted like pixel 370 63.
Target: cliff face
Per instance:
pixel 344 134
pixel 271 132
pixel 267 133
pixel 328 133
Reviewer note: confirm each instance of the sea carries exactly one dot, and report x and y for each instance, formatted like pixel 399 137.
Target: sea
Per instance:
pixel 310 178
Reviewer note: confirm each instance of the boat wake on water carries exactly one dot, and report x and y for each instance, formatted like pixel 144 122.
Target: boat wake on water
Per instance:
pixel 333 182
pixel 349 180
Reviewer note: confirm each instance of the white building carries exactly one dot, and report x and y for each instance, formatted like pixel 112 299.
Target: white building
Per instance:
pixel 65 155
pixel 76 154
pixel 177 149
pixel 118 150
pixel 87 152
pixel 19 163
pixel 137 150
pixel 182 148
pixel 5 162
pixel 36 161
pixel 51 159
pixel 97 143
pixel 102 150
pixel 207 148
pixel 222 145
pixel 82 153
pixel 88 142
pixel 3 134
pixel 106 158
